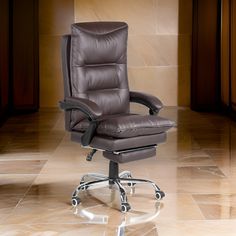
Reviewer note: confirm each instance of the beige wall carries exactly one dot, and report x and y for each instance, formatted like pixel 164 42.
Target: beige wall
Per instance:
pixel 55 18
pixel 158 47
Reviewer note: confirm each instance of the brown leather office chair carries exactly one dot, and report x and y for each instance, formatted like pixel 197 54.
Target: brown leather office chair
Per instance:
pixel 97 104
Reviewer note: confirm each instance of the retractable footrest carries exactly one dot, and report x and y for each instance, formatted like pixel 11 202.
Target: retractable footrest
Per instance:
pixel 128 155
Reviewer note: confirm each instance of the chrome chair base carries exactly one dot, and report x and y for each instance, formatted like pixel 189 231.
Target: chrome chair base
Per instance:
pixel 94 180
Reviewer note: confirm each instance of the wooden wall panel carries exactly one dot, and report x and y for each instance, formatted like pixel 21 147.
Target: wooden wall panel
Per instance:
pixel 225 54
pixel 4 57
pixel 228 55
pixel 25 79
pixel 233 55
pixel 205 87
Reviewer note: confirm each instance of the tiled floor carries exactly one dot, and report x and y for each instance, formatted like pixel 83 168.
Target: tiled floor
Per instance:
pixel 196 167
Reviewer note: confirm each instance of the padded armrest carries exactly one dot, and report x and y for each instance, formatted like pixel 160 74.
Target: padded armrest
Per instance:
pixel 152 102
pixel 91 109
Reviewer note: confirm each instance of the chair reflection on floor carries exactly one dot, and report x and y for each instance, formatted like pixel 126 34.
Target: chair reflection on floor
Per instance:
pixel 135 223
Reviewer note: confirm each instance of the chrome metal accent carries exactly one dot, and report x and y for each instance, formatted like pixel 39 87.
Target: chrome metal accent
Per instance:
pixel 94 181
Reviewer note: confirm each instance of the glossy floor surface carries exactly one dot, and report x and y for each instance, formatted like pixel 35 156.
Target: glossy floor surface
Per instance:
pixel 196 167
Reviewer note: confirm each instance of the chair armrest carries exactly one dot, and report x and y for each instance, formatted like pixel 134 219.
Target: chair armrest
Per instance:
pixel 152 102
pixel 89 108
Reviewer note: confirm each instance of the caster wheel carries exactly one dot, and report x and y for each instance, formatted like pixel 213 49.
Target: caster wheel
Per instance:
pixel 125 207
pixel 89 157
pixel 75 201
pixel 159 195
pixel 151 112
pixel 130 184
pixel 132 190
pixel 74 194
pixel 129 176
pixel 84 187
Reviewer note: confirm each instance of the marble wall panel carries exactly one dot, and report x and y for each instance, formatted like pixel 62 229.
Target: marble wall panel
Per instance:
pixel 55 18
pixel 153 79
pixel 153 50
pixel 167 16
pixel 51 80
pixel 139 14
pixel 159 43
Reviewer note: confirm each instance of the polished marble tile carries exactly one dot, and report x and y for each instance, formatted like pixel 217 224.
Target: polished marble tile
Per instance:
pixel 217 206
pixel 180 207
pixel 21 166
pixel 7 204
pixel 206 186
pixel 55 184
pixel 57 209
pixel 178 228
pixel 147 229
pixel 196 168
pixel 7 155
pixel 15 184
pixel 195 159
pixel 197 228
pixel 200 172
pixel 42 209
pixel 34 141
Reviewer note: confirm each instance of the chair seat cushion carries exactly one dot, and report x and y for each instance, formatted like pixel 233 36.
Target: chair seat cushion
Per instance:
pixel 128 125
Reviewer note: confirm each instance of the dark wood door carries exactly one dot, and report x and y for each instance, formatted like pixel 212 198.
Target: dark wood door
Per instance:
pixel 233 55
pixel 25 62
pixel 4 58
pixel 228 56
pixel 205 83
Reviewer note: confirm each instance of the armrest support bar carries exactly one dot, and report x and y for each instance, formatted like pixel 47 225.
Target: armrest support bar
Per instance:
pixel 89 108
pixel 152 102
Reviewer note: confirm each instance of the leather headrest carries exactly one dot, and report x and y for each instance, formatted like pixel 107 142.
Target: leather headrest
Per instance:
pixel 99 43
pixel 100 27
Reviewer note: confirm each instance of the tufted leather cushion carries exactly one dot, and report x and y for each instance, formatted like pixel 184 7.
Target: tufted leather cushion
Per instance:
pixel 113 144
pixel 98 65
pixel 128 125
pixel 132 155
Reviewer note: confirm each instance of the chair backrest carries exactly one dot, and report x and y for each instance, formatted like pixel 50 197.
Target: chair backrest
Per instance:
pixel 98 65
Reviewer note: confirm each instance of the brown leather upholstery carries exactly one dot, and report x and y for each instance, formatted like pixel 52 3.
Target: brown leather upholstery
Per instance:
pixel 117 144
pixel 127 125
pixel 146 99
pixel 94 61
pixel 98 65
pixel 96 105
pixel 87 106
pixel 135 155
